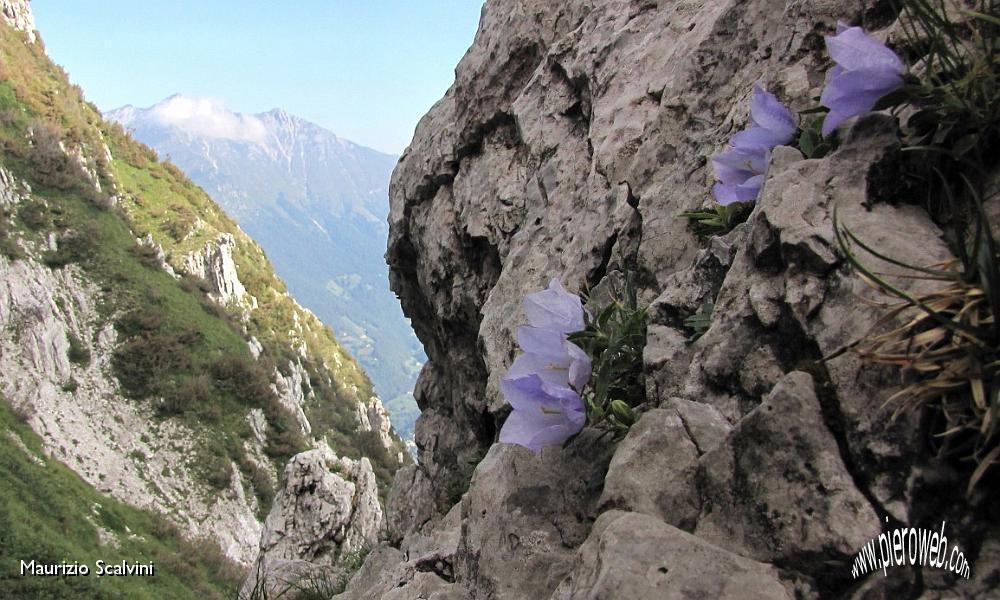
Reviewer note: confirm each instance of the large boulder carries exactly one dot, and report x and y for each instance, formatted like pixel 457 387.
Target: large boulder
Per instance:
pixel 325 517
pixel 635 556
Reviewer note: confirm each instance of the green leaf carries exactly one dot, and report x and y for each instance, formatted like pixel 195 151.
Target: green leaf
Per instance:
pixel 892 99
pixel 816 110
pixel 822 150
pixel 982 16
pixel 807 142
pixel 700 321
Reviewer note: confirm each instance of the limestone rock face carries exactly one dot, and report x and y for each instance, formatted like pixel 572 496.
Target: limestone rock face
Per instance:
pixel 326 512
pixel 423 568
pixel 524 518
pixel 292 391
pixel 214 263
pixel 573 136
pixel 778 489
pixel 654 468
pixel 374 417
pixel 161 256
pixel 17 14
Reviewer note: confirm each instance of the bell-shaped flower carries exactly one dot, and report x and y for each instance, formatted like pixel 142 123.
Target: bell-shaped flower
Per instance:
pixel 740 169
pixel 552 357
pixel 554 309
pixel 865 71
pixel 544 414
pixel 771 124
pixel 740 174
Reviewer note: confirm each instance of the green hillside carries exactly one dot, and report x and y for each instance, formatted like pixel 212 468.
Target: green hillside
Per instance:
pixel 49 515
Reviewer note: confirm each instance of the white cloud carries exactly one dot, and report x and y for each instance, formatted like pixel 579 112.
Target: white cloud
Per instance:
pixel 208 117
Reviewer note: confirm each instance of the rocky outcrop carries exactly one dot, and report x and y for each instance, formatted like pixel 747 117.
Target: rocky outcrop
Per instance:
pixel 12 191
pixel 374 417
pixel 326 514
pixel 161 256
pixel 573 135
pixel 17 14
pixel 214 263
pixel 292 391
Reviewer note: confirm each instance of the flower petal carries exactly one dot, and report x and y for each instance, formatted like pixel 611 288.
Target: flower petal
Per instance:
pixel 552 435
pixel 770 114
pixel 555 414
pixel 522 393
pixel 842 88
pixel 736 165
pixel 554 309
pixel 728 194
pixel 540 341
pixel 550 369
pixel 560 395
pixel 729 175
pixel 758 137
pixel 725 194
pixel 520 428
pixel 580 367
pixel 854 93
pixel 853 49
pixel 833 120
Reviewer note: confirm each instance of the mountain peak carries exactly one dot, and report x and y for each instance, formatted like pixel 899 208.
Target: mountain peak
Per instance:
pixel 211 119
pixel 172 97
pixel 200 117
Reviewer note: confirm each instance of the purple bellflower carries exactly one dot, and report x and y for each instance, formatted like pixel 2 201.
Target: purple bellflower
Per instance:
pixel 552 357
pixel 740 169
pixel 544 414
pixel 543 383
pixel 865 71
pixel 554 309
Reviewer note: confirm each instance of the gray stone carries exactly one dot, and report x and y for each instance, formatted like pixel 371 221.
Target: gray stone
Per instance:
pixel 410 504
pixel 983 576
pixel 17 14
pixel 326 513
pixel 292 391
pixel 214 263
pixel 525 514
pixel 653 470
pixel 424 568
pixel 385 576
pixel 778 489
pixel 705 425
pixel 635 556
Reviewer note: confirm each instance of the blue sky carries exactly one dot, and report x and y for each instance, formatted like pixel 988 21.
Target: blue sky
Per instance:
pixel 365 69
